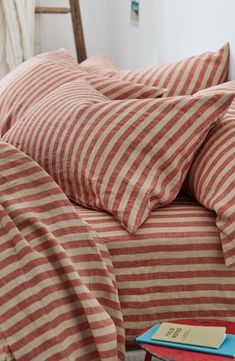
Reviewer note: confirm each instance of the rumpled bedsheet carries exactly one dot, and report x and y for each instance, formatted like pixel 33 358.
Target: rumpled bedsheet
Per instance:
pixel 58 295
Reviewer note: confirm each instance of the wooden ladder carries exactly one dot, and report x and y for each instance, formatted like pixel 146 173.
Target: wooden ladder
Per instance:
pixel 74 9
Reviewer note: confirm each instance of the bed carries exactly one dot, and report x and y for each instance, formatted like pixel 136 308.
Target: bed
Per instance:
pixel 84 267
pixel 173 267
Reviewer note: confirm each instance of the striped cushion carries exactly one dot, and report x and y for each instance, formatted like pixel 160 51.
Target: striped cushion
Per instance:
pixel 172 268
pixel 121 89
pixel 186 76
pixel 126 157
pixel 99 64
pixel 100 74
pixel 212 176
pixel 31 81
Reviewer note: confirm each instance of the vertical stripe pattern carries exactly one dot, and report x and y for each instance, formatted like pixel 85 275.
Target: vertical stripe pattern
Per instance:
pixel 58 296
pixel 212 176
pixel 171 268
pixel 184 77
pixel 125 157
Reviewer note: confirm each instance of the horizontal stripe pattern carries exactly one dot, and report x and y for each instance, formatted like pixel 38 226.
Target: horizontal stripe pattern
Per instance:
pixel 212 176
pixel 31 81
pixel 186 76
pixel 171 268
pixel 126 157
pixel 121 89
pixel 58 296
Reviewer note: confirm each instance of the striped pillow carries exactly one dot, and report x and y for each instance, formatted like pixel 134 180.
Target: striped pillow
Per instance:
pixel 31 81
pixel 186 76
pixel 99 64
pixel 126 157
pixel 121 89
pixel 212 176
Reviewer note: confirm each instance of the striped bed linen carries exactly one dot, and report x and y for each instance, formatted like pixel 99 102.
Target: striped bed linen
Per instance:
pixel 211 179
pixel 58 295
pixel 116 89
pixel 186 76
pixel 171 268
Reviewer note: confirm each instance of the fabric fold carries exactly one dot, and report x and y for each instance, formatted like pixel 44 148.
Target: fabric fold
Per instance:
pixel 58 295
pixel 17 33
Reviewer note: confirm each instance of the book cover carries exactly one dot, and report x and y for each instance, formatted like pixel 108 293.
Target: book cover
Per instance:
pixel 205 336
pixel 226 349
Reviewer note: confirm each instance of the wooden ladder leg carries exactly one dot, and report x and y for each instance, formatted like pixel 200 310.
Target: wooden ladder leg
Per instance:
pixel 78 30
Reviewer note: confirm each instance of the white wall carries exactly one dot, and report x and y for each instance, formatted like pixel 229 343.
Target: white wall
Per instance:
pixel 55 30
pixel 168 29
pixel 172 29
pixel 137 46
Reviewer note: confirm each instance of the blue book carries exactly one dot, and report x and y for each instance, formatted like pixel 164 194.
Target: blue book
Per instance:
pixel 226 349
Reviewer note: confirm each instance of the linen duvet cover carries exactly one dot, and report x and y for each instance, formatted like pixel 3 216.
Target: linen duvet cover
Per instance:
pixel 58 295
pixel 69 274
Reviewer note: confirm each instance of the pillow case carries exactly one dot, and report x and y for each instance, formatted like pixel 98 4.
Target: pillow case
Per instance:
pixel 38 76
pixel 186 76
pixel 126 157
pixel 31 81
pixel 211 178
pixel 99 64
pixel 121 89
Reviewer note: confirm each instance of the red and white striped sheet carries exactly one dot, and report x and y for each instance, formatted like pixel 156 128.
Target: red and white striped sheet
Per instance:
pixel 125 157
pixel 171 268
pixel 32 81
pixel 212 176
pixel 58 295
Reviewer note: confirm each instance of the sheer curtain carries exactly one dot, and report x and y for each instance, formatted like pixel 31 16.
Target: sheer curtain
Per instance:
pixel 16 33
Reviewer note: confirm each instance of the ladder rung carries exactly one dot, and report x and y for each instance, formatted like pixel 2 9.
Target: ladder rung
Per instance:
pixel 74 10
pixel 51 10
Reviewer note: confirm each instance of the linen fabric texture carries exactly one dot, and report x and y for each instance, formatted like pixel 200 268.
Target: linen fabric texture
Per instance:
pixel 32 81
pixel 126 157
pixel 184 77
pixel 212 176
pixel 16 33
pixel 59 299
pixel 171 268
pixel 116 89
pixel 99 64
